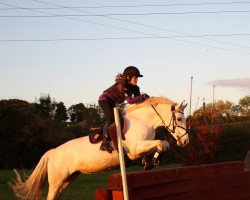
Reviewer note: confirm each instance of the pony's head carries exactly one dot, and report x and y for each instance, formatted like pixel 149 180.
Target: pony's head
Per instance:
pixel 165 112
pixel 177 125
pixel 171 116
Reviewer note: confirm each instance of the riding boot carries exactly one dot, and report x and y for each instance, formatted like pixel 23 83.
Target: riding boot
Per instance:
pixel 105 146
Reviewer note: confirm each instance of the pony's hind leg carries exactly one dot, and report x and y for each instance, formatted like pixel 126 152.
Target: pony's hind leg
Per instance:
pixel 56 188
pixel 69 180
pixel 53 192
pixel 56 180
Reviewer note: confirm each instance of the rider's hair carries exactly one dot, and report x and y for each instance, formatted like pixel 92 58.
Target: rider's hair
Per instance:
pixel 120 78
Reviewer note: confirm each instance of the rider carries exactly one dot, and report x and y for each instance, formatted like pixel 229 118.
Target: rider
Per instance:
pixel 125 88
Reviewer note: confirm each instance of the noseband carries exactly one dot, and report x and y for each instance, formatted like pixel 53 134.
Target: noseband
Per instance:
pixel 172 121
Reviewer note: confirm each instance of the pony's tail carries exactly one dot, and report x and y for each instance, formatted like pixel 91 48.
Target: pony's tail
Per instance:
pixel 31 188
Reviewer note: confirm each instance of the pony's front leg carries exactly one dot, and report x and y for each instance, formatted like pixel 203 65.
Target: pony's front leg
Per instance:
pixel 143 147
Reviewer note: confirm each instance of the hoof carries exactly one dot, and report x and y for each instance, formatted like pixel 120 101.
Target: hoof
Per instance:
pixel 148 166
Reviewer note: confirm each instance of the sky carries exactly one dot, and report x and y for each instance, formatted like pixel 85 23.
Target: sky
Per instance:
pixel 72 50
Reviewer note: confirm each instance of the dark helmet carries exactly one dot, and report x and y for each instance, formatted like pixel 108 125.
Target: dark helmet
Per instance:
pixel 131 71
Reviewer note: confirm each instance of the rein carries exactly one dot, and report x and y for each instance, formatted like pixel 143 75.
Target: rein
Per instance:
pixel 173 120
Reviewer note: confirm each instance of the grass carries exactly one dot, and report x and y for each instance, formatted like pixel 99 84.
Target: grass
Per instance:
pixel 83 188
pixel 5 191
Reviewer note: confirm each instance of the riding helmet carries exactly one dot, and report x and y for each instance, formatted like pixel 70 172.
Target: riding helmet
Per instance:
pixel 132 71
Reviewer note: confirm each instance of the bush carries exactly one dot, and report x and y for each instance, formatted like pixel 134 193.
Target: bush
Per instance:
pixel 234 142
pixel 226 142
pixel 202 145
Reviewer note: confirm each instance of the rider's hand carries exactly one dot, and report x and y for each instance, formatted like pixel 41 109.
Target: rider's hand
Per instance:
pixel 145 95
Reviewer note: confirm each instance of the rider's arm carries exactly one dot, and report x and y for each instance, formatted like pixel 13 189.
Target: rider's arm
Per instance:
pixel 135 99
pixel 133 96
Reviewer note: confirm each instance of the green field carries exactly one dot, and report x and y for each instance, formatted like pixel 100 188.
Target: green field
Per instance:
pixel 83 188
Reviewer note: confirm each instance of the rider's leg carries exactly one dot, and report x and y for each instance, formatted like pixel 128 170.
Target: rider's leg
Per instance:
pixel 109 114
pixel 105 146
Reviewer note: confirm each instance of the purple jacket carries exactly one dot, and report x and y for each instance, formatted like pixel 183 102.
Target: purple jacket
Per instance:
pixel 122 91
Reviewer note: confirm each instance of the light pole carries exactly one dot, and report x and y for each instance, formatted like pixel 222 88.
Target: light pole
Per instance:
pixel 198 99
pixel 190 103
pixel 190 100
pixel 204 111
pixel 213 106
pixel 212 120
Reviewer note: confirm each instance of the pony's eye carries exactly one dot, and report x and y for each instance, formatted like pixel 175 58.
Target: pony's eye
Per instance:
pixel 179 119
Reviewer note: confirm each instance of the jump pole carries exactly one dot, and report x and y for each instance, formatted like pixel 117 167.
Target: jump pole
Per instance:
pixel 121 155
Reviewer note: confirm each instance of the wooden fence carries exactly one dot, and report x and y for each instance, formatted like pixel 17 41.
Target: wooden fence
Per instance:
pixel 219 181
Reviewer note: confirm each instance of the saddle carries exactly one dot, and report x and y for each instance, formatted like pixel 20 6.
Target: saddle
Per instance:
pixel 96 133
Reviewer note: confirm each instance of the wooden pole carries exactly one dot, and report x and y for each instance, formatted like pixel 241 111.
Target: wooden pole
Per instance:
pixel 121 154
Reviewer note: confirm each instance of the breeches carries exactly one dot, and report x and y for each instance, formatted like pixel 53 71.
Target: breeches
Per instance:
pixel 108 111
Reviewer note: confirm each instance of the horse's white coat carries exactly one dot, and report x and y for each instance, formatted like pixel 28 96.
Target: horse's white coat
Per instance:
pixel 79 155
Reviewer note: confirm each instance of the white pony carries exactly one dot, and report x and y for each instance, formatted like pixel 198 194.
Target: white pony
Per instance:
pixel 64 163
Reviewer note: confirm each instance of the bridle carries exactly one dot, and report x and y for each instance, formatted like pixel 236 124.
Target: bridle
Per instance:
pixel 172 121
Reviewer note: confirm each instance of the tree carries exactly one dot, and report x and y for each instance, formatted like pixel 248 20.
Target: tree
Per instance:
pixel 19 134
pixel 76 112
pixel 222 111
pixel 244 107
pixel 60 112
pixel 92 116
pixel 45 107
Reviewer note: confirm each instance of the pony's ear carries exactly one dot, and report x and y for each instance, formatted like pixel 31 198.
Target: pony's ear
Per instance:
pixel 179 106
pixel 172 108
pixel 184 106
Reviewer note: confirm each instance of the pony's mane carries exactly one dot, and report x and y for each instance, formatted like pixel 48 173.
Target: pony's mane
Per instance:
pixel 149 101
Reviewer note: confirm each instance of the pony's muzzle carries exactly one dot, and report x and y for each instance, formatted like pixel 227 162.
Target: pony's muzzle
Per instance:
pixel 182 142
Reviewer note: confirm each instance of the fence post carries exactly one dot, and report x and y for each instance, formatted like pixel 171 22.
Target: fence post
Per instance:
pixel 121 155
